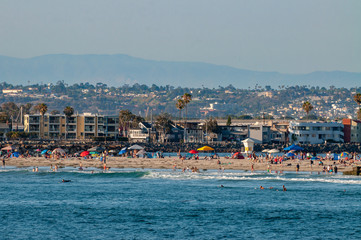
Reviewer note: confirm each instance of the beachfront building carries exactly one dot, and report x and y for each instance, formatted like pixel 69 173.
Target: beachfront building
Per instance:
pixel 77 126
pixel 315 132
pixel 352 130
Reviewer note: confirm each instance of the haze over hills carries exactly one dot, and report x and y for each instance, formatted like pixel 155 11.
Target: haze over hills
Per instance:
pixel 120 69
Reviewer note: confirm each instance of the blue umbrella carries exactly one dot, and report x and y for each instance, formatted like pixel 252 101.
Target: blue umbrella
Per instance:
pixel 43 152
pixel 122 152
pixel 294 148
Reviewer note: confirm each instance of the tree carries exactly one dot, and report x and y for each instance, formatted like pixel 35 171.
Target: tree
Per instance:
pixel 68 111
pixel 229 121
pixel 357 98
pixel 186 98
pixel 307 107
pixel 42 108
pixel 180 105
pixel 163 124
pixel 125 117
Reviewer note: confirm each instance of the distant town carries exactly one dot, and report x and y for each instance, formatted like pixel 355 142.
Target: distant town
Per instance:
pixel 285 102
pixel 139 113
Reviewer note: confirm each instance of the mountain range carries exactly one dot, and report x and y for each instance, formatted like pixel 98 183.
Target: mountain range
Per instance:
pixel 117 70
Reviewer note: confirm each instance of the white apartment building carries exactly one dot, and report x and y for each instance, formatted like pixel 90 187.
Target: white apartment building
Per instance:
pixel 315 132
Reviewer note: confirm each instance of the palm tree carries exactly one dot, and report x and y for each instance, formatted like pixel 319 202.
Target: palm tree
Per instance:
pixel 180 105
pixel 357 99
pixel 68 111
pixel 163 123
pixel 125 116
pixel 42 108
pixel 186 98
pixel 307 107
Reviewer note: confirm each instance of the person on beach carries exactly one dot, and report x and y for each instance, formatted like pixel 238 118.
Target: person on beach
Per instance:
pixel 4 162
pixel 335 169
pixel 252 168
pixel 297 167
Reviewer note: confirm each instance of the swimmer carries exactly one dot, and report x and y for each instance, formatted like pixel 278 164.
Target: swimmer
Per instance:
pixel 222 186
pixel 270 187
pixel 284 188
pixel 66 180
pixel 261 187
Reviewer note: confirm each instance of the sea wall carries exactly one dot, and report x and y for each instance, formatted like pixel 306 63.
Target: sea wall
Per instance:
pixel 77 146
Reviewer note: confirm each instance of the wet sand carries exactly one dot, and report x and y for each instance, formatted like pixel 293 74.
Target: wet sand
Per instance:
pixel 171 162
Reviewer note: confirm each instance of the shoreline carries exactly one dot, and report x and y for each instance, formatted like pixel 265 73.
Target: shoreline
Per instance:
pixel 173 162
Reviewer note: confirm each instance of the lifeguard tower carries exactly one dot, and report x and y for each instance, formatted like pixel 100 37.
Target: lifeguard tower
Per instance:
pixel 248 145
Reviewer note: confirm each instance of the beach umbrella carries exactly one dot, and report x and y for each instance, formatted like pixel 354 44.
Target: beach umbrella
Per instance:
pixel 193 151
pixel 112 151
pixel 205 148
pixel 96 149
pixel 265 150
pixel 84 153
pixel 136 147
pixel 141 152
pixel 8 148
pixel 273 151
pixel 122 152
pixel 59 150
pixel 43 152
pixel 92 153
pixel 344 154
pixel 38 150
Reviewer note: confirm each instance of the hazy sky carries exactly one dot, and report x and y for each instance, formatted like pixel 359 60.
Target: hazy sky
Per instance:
pixel 282 35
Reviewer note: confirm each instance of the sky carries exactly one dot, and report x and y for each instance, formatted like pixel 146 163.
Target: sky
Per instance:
pixel 298 36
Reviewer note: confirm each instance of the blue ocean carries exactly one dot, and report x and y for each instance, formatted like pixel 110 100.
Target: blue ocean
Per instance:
pixel 163 204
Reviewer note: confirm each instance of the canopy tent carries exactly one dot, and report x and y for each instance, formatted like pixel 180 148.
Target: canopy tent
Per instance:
pixel 205 148
pixel 136 147
pixel 290 154
pixel 15 154
pixel 193 152
pixel 59 151
pixel 238 155
pixel 84 153
pixel 294 148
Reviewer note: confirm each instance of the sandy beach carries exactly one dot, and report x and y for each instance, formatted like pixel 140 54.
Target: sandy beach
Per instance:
pixel 172 162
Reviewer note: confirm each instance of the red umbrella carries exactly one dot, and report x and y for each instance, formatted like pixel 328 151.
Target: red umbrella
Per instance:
pixel 85 153
pixel 193 151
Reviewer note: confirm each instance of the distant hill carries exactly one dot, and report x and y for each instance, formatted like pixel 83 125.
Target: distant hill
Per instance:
pixel 116 70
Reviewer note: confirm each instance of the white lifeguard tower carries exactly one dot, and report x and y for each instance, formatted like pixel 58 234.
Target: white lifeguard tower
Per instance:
pixel 248 145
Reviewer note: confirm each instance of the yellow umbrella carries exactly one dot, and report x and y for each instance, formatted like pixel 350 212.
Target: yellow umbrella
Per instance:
pixel 205 148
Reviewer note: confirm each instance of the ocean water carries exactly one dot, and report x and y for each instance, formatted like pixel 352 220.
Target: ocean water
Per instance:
pixel 163 204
